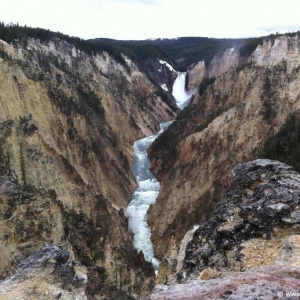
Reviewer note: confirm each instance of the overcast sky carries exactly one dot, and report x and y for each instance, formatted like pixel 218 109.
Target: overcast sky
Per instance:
pixel 143 19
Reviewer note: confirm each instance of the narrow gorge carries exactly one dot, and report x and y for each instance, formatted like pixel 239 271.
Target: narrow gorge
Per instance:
pixel 143 197
pixel 148 187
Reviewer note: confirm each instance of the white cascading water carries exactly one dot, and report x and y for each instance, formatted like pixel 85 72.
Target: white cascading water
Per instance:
pixel 181 95
pixel 143 197
pixel 148 186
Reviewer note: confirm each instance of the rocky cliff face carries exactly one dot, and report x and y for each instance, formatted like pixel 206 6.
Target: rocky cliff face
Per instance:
pixel 221 63
pixel 160 72
pixel 250 223
pixel 67 123
pixel 277 281
pixel 250 247
pixel 226 124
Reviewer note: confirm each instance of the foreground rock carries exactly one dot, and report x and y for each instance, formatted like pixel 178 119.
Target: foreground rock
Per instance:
pixel 250 248
pixel 49 273
pixel 250 223
pixel 280 280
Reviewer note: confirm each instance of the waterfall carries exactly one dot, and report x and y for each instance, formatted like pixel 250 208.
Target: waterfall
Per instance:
pixel 181 95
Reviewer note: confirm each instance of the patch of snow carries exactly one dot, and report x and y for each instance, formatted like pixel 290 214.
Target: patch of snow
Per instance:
pixel 168 65
pixel 164 87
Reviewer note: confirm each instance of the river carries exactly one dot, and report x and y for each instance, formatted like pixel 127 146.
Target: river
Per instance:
pixel 148 186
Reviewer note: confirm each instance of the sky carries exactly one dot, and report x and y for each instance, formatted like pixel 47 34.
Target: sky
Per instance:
pixel 145 19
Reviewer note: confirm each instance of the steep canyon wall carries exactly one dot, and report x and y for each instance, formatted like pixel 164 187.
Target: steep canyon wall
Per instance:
pixel 67 124
pixel 224 125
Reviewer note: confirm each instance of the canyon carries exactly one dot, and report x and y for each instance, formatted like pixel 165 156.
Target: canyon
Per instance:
pixel 68 122
pixel 226 123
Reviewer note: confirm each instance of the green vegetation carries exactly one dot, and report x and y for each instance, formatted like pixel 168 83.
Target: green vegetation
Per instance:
pixel 243 66
pixel 269 112
pixel 250 45
pixel 268 100
pixel 180 53
pixel 3 54
pixel 140 51
pixel 285 145
pixel 23 167
pixel 90 99
pixel 12 33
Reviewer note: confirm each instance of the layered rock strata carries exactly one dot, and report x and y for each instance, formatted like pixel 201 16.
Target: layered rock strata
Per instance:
pixel 221 63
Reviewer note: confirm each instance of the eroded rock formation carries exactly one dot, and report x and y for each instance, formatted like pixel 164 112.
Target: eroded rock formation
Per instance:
pixel 250 247
pixel 279 280
pixel 250 223
pixel 224 125
pixel 67 124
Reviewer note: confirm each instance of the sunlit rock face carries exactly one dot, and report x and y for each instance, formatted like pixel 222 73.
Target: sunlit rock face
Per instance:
pixel 67 123
pixel 274 51
pixel 196 74
pixel 222 62
pixel 224 125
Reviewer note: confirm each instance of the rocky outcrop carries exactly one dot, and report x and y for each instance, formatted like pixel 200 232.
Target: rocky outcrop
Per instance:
pixel 250 223
pixel 67 124
pixel 22 231
pixel 250 247
pixel 164 76
pixel 88 111
pixel 223 61
pixel 48 273
pixel 224 125
pixel 274 51
pixel 195 75
pixel 279 280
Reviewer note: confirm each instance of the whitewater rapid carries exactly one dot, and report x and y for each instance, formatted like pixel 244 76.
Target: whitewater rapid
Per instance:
pixel 143 197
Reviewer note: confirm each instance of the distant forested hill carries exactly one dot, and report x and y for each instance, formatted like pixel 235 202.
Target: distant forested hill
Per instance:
pixel 180 52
